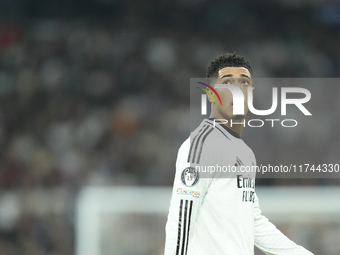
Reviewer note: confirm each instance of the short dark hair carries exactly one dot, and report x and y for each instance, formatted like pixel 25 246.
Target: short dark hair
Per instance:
pixel 226 60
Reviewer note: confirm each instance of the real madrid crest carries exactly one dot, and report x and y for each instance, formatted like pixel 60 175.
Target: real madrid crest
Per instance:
pixel 189 176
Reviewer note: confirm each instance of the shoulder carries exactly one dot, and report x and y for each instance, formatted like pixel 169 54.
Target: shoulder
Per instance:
pixel 184 148
pixel 249 150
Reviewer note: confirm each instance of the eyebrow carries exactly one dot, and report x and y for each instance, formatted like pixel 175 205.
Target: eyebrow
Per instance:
pixel 230 75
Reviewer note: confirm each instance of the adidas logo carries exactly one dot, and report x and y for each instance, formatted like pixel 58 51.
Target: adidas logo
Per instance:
pixel 238 162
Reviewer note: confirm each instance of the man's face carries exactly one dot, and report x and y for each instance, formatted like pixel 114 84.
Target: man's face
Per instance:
pixel 190 176
pixel 239 77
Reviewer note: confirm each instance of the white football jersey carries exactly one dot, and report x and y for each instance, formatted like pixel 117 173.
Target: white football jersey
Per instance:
pixel 214 209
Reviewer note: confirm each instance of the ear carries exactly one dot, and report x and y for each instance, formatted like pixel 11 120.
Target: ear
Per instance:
pixel 209 97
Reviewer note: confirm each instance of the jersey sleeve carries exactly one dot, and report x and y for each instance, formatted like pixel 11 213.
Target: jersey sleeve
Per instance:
pixel 187 196
pixel 270 240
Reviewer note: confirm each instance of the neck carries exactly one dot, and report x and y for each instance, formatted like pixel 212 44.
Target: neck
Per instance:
pixel 235 127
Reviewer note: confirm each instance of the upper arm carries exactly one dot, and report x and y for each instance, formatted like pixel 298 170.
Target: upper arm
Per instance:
pixel 187 196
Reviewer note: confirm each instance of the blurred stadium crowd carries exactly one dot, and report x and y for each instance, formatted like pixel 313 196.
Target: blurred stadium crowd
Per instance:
pixel 105 102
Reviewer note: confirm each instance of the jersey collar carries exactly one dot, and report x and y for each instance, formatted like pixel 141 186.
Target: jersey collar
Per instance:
pixel 232 132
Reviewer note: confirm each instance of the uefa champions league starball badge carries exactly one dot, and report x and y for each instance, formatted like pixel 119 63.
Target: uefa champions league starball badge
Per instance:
pixel 189 176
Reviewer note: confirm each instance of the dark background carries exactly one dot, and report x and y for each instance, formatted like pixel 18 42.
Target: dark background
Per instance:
pixel 96 93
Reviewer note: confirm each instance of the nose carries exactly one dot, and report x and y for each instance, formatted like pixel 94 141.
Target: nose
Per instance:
pixel 237 84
